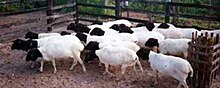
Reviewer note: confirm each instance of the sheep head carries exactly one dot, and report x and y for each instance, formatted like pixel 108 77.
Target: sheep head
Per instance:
pixel 31 35
pixel 64 33
pixel 97 31
pixel 124 29
pixel 92 45
pixel 19 44
pixel 143 53
pixel 32 55
pixel 90 56
pixel 163 25
pixel 81 36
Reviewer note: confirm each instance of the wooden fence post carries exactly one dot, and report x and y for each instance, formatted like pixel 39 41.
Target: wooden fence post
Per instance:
pixel 167 12
pixel 117 9
pixel 76 14
pixel 50 4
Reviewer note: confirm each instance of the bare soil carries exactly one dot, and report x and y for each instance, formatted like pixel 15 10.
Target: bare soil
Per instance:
pixel 15 72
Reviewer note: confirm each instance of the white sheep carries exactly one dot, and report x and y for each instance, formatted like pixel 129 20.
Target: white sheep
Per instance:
pixel 94 45
pixel 117 56
pixel 113 38
pixel 130 45
pixel 101 39
pixel 188 32
pixel 35 43
pixel 175 67
pixel 170 33
pixel 140 29
pixel 121 21
pixel 144 36
pixel 62 48
pixel 177 47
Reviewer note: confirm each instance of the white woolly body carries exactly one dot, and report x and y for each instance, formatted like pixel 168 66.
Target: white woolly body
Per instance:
pixel 170 33
pixel 61 49
pixel 143 37
pixel 129 45
pixel 176 47
pixel 112 38
pixel 167 64
pixel 175 67
pixel 116 55
pixel 122 21
pixel 51 39
pixel 140 29
pixel 188 32
pixel 42 35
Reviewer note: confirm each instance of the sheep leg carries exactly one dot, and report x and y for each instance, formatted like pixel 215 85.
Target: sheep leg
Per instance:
pixel 156 78
pixel 32 64
pixel 134 67
pixel 185 54
pixel 81 62
pixel 54 66
pixel 123 68
pixel 140 66
pixel 74 64
pixel 100 64
pixel 184 84
pixel 179 85
pixel 41 65
pixel 106 70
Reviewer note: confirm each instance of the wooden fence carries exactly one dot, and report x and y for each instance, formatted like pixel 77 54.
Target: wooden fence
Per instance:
pixel 119 8
pixel 204 56
pixel 49 9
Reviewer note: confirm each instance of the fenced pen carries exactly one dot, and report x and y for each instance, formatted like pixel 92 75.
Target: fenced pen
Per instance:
pixel 203 55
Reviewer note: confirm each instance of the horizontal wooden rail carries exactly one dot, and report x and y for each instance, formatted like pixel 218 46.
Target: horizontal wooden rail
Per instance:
pixel 89 20
pixel 132 19
pixel 59 22
pixel 200 46
pixel 216 61
pixel 144 11
pixel 200 53
pixel 9 2
pixel 63 6
pixel 216 46
pixel 198 61
pixel 194 5
pixel 216 53
pixel 195 17
pixel 96 6
pixel 39 19
pixel 24 11
pixel 93 14
pixel 176 4
pixel 18 1
pixel 146 2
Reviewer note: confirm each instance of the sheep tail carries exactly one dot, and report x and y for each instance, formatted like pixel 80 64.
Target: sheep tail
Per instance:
pixel 191 70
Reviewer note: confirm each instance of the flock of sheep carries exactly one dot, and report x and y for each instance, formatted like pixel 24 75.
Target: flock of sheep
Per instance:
pixel 116 43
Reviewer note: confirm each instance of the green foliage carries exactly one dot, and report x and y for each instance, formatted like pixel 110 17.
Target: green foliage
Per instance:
pixel 92 9
pixel 17 6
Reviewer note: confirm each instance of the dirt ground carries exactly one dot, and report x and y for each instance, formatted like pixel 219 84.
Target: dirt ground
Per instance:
pixel 15 72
